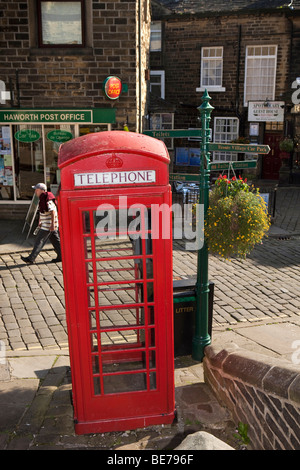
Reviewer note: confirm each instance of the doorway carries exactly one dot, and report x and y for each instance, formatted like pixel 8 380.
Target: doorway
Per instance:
pixel 271 162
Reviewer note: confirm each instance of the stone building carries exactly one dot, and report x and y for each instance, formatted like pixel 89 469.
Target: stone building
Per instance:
pixel 56 58
pixel 246 54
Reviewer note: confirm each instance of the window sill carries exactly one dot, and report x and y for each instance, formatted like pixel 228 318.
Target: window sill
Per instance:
pixel 211 89
pixel 61 51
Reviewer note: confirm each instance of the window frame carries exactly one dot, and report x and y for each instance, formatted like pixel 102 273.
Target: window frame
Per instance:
pixel 228 156
pixel 247 57
pixel 160 73
pixel 155 29
pixel 60 45
pixel 217 88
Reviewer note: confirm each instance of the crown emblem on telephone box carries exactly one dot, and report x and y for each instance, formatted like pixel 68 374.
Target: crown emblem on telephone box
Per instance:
pixel 114 162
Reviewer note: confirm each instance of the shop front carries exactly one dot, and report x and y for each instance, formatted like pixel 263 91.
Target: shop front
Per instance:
pixel 29 143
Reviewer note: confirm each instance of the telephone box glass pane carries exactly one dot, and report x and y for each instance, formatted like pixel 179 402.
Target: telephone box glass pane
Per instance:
pixel 119 270
pixel 115 338
pixel 95 364
pixel 97 386
pixel 94 342
pixel 118 362
pixel 152 380
pixel 87 248
pixel 118 294
pixel 112 248
pixel 125 383
pixel 89 273
pixel 86 222
pixel 93 320
pixel 121 317
pixel 108 221
pixel 91 296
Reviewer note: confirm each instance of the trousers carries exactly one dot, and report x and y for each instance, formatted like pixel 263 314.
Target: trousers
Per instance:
pixel 42 237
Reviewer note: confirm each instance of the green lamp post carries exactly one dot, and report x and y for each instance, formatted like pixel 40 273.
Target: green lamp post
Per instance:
pixel 202 337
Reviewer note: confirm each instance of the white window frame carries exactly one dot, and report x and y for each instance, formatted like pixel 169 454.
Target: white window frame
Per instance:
pixel 262 96
pixel 155 36
pixel 225 137
pixel 157 73
pixel 209 59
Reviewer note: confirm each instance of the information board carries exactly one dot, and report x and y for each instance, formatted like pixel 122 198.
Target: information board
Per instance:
pixel 31 213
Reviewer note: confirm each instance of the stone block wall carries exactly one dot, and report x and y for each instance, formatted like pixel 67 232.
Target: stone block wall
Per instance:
pixel 68 77
pixel 183 39
pixel 259 391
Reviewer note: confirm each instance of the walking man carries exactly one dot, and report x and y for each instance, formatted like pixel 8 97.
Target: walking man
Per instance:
pixel 48 224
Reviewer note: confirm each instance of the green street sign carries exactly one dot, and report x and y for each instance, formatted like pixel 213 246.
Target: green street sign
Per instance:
pixel 241 148
pixel 235 165
pixel 27 135
pixel 59 135
pixel 212 146
pixel 173 133
pixel 58 116
pixel 183 177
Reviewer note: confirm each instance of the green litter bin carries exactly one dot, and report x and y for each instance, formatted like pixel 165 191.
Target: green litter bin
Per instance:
pixel 184 302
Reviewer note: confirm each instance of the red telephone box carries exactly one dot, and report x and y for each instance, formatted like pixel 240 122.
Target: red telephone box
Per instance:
pixel 117 266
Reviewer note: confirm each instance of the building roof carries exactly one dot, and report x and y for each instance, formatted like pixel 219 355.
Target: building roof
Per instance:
pixel 204 7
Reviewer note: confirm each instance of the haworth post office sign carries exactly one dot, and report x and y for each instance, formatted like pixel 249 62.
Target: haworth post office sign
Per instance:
pixel 59 116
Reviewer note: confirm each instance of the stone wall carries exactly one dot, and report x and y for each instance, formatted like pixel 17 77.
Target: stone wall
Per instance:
pixel 259 391
pixel 185 36
pixel 66 77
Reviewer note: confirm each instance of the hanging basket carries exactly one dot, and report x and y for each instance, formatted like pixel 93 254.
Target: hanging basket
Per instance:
pixel 237 218
pixel 286 145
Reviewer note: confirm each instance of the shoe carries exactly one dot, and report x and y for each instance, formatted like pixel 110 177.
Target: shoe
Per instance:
pixel 27 259
pixel 56 260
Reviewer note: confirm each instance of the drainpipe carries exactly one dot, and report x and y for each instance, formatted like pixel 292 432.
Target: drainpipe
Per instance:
pixel 237 90
pixel 291 128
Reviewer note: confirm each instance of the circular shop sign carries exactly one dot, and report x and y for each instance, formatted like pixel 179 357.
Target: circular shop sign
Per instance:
pixel 112 87
pixel 59 136
pixel 27 135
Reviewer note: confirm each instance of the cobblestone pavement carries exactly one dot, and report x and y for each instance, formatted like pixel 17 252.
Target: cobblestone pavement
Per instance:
pixel 262 290
pixel 287 213
pixel 32 303
pixel 265 286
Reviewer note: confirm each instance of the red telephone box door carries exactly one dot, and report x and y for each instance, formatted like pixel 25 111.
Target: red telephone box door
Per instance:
pixel 120 322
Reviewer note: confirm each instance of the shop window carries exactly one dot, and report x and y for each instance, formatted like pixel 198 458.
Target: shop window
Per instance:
pixel 260 73
pixel 6 164
pixel 225 130
pixel 274 126
pixel 61 23
pixel 90 128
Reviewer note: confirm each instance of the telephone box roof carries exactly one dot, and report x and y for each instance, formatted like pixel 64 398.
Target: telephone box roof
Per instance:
pixel 111 141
